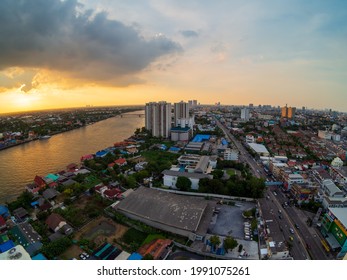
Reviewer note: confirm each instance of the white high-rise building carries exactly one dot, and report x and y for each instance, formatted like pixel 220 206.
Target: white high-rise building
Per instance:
pixel 158 118
pixel 245 114
pixel 181 111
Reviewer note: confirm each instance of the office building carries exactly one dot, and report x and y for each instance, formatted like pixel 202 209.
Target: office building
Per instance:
pixel 158 118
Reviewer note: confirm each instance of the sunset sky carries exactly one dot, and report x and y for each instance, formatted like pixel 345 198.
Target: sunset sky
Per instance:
pixel 56 54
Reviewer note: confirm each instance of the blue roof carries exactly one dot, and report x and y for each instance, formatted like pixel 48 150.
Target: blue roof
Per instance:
pixel 224 142
pixel 201 137
pixel 101 153
pixel 3 210
pixel 176 149
pixel 135 257
pixel 53 177
pixel 6 246
pixel 39 257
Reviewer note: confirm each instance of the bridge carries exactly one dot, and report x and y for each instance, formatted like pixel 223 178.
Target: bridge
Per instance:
pixel 130 115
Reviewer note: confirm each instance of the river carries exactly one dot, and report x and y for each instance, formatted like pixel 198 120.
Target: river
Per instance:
pixel 20 164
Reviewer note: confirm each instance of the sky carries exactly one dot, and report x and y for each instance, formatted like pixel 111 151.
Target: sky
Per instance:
pixel 58 54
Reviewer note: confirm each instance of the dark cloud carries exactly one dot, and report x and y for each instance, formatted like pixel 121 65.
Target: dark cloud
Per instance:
pixel 62 36
pixel 189 33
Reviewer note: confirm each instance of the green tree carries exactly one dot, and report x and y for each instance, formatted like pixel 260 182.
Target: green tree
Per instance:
pixel 215 241
pixel 217 173
pixel 240 248
pixel 148 257
pixel 183 183
pixel 230 243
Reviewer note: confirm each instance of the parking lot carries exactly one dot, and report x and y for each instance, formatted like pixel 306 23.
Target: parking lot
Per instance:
pixel 229 220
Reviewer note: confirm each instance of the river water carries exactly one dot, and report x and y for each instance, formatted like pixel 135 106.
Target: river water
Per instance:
pixel 20 164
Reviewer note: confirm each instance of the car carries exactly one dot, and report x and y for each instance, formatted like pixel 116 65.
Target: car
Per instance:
pixel 297 226
pixel 291 230
pixel 280 211
pixel 280 217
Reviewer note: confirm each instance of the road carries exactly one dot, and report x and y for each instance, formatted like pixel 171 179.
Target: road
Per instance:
pixel 244 156
pixel 309 236
pixel 306 241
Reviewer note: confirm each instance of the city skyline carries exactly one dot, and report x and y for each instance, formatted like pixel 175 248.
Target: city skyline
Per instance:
pixel 70 54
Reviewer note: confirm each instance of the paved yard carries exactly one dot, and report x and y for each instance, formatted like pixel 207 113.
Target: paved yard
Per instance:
pixel 229 221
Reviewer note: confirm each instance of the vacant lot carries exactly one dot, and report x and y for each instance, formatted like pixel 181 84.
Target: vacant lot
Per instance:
pixel 102 229
pixel 72 252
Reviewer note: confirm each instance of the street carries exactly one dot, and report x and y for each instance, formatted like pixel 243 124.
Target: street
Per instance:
pixel 305 243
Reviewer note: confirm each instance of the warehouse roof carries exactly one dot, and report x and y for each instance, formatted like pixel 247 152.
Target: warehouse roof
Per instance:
pixel 178 211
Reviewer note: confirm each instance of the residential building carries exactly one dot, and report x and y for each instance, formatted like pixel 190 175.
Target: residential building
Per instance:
pixel 339 175
pixel 185 122
pixel 288 112
pixel 331 190
pixel 57 224
pixel 181 113
pixel 302 194
pixel 245 114
pixel 158 118
pixel 230 154
pixel 323 134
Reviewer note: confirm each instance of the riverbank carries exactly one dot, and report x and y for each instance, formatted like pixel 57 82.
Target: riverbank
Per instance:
pixel 68 129
pixel 20 164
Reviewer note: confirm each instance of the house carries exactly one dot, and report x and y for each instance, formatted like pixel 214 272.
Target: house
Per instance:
pixel 49 194
pixel 39 182
pixel 20 213
pixel 100 188
pixel 87 157
pixel 112 193
pixel 71 167
pixel 57 224
pixel 121 162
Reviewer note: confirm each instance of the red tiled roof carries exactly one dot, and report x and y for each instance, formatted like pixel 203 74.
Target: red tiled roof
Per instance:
pixel 53 185
pixel 39 181
pixel 111 192
pixel 71 166
pixel 87 157
pixel 2 221
pixel 120 161
pixel 54 220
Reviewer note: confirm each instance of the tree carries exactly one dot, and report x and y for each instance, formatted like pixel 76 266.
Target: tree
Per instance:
pixel 183 183
pixel 217 173
pixel 215 241
pixel 230 243
pixel 148 257
pixel 240 248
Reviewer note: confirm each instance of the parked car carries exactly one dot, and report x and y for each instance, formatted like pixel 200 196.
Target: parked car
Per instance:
pixel 291 231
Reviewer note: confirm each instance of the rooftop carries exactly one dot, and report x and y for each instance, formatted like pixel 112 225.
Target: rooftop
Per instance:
pixel 174 210
pixel 186 174
pixel 258 148
pixel 340 214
